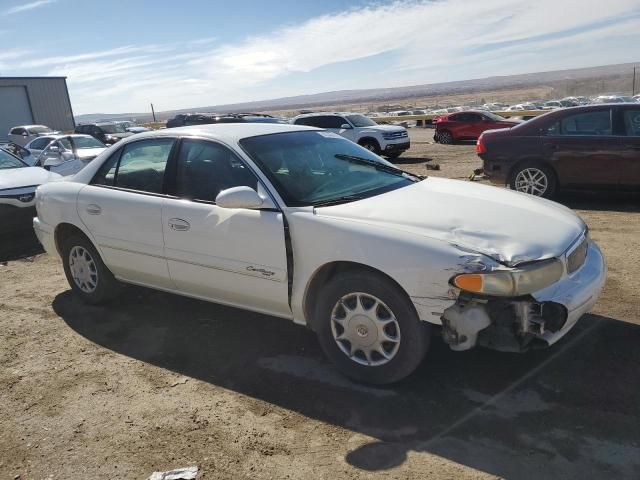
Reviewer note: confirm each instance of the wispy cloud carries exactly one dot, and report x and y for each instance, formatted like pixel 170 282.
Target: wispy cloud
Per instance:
pixel 28 6
pixel 420 41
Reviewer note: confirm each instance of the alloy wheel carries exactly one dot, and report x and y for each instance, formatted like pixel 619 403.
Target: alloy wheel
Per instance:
pixel 365 329
pixel 445 138
pixel 532 181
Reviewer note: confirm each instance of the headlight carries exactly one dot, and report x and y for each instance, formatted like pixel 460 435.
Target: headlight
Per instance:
pixel 511 283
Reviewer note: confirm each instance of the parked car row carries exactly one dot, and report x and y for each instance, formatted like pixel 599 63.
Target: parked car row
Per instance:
pixel 572 101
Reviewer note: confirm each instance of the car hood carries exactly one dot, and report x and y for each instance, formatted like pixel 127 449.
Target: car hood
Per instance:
pixel 25 177
pixel 384 128
pixel 507 226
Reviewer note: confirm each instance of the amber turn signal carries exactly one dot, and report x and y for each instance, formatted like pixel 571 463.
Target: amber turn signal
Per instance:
pixel 471 282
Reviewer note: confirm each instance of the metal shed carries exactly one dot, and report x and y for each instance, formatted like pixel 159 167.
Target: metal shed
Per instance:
pixel 34 100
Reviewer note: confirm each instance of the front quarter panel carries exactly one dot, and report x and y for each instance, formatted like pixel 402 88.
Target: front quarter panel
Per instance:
pixel 421 266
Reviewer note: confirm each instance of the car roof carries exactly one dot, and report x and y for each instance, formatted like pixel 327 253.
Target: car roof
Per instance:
pixel 224 132
pixel 316 114
pixel 30 126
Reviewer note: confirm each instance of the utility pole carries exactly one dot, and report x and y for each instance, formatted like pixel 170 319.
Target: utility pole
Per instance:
pixel 153 112
pixel 634 82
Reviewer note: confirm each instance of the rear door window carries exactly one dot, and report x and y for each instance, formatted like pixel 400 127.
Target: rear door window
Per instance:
pixel 589 124
pixel 137 166
pixel 631 120
pixel 40 143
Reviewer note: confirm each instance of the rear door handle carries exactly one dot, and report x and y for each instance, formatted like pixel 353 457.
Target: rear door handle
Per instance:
pixel 179 225
pixel 94 209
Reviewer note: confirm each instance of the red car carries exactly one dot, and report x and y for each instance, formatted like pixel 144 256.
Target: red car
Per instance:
pixel 468 125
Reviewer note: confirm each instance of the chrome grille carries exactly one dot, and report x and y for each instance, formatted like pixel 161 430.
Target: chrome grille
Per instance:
pixel 576 258
pixel 394 135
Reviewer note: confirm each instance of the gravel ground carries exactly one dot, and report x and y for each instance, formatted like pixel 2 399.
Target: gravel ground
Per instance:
pixel 156 381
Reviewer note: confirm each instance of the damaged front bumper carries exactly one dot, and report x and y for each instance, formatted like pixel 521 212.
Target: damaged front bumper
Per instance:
pixel 537 320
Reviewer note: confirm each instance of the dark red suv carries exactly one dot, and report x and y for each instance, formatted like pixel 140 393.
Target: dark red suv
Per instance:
pixel 580 147
pixel 468 125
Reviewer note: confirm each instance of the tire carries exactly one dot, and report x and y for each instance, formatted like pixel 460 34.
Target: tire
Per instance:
pixel 87 275
pixel 445 137
pixel 370 145
pixel 535 179
pixel 378 298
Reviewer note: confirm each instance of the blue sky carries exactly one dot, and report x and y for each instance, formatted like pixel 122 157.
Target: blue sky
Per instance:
pixel 121 55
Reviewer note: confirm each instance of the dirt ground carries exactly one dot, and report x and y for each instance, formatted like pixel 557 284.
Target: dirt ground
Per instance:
pixel 156 381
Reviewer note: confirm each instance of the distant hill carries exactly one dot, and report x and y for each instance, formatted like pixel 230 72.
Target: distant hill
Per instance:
pixel 582 81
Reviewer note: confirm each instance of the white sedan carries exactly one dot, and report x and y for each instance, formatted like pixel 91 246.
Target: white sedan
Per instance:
pixel 302 224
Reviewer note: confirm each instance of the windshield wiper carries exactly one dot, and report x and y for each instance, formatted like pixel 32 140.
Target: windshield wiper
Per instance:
pixel 377 165
pixel 339 200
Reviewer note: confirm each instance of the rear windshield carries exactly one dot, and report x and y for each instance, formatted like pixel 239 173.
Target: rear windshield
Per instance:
pixel 39 129
pixel 109 128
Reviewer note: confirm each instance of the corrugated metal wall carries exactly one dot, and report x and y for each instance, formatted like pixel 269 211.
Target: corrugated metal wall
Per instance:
pixel 49 100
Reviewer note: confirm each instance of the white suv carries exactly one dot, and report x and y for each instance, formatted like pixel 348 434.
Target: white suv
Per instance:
pixel 387 140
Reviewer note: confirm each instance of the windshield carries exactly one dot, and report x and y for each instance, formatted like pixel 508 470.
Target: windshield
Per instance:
pixel 361 121
pixel 115 128
pixel 493 116
pixel 39 129
pixel 313 168
pixel 9 161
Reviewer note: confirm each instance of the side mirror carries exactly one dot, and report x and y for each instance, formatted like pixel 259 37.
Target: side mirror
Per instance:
pixel 345 126
pixel 239 197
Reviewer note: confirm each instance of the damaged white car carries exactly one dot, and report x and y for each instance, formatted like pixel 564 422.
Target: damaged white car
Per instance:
pixel 303 224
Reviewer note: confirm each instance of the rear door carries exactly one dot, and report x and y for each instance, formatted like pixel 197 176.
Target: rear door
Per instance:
pixel 232 256
pixel 473 125
pixel 630 120
pixel 122 208
pixel 583 149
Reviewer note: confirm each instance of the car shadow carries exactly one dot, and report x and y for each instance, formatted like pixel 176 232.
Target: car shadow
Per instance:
pixel 570 411
pixel 16 246
pixel 600 200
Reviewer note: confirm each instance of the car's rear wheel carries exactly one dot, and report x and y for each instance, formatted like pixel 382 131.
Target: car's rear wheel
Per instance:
pixel 370 145
pixel 368 327
pixel 87 275
pixel 535 179
pixel 445 137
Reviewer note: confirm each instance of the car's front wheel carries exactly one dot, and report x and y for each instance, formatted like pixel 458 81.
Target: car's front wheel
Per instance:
pixel 87 275
pixel 368 327
pixel 370 145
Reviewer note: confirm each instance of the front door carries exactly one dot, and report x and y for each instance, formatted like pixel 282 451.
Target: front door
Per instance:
pixel 122 208
pixel 232 256
pixel 583 149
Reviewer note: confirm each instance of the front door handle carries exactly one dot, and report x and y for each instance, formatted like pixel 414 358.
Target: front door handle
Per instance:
pixel 179 225
pixel 94 209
